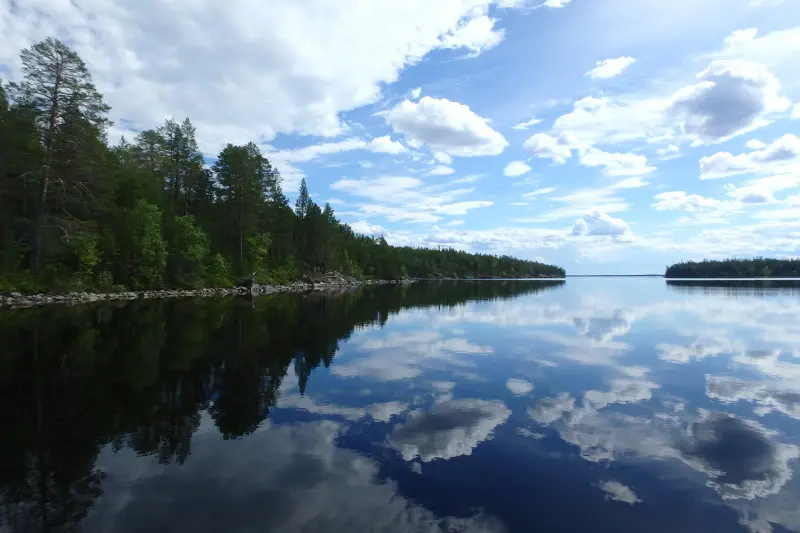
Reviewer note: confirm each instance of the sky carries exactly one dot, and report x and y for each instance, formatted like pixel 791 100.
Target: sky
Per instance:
pixel 604 136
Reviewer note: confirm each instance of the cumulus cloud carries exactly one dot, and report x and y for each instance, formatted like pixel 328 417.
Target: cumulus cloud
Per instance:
pixel 329 488
pixel 604 329
pixel 603 120
pixel 449 429
pixel 768 397
pixel 519 387
pixel 731 97
pixel 441 170
pixel 558 149
pixel 681 201
pixel 476 35
pixel 516 168
pixel 738 456
pixel 618 492
pixel 274 67
pixel 764 157
pixel 616 164
pixel 446 126
pixel 669 151
pixel 399 357
pixel 365 228
pixel 610 68
pixel 738 92
pixel 599 224
pixel 385 145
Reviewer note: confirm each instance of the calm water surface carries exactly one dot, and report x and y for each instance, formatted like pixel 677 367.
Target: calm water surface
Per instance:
pixel 619 405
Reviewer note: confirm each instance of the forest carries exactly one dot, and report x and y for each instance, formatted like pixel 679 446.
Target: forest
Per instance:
pixel 77 213
pixel 139 377
pixel 736 268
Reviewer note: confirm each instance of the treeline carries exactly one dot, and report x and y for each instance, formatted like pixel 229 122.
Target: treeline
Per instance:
pixel 736 268
pixel 139 376
pixel 77 213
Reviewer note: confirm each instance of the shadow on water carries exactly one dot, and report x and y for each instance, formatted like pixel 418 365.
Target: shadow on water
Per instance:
pixel 736 287
pixel 137 376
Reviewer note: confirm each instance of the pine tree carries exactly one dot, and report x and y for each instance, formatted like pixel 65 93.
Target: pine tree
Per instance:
pixel 57 87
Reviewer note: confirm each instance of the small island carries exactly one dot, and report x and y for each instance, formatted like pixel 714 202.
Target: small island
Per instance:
pixel 736 268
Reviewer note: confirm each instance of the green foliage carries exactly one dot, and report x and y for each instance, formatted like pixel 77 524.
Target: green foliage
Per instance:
pixel 736 268
pixel 188 253
pixel 219 271
pixel 147 213
pixel 86 256
pixel 142 248
pixel 257 253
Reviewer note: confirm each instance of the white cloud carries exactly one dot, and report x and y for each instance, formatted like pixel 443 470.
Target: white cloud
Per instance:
pixel 579 202
pixel 738 92
pixel 274 67
pixel 615 164
pixel 767 158
pixel 415 93
pixel 610 68
pixel 441 170
pixel 796 111
pixel 668 151
pixel 449 429
pixel 762 190
pixel 555 4
pixel 285 160
pixel 538 192
pixel 446 126
pixel 618 492
pixel 782 397
pixel 558 149
pixel 519 387
pixel 680 201
pixel 443 158
pixel 403 198
pixel 340 490
pixel 599 224
pixel 385 145
pixel 778 50
pixel 476 35
pixel 527 124
pixel 603 121
pixel 755 144
pixel 365 228
pixel 731 97
pixel 516 168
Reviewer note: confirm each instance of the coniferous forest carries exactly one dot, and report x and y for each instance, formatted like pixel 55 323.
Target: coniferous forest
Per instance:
pixel 148 212
pixel 736 268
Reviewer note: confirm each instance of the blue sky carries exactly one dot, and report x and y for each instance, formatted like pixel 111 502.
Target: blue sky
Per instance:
pixel 600 135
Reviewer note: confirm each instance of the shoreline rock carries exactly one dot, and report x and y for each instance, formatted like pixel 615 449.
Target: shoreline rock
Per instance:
pixel 16 300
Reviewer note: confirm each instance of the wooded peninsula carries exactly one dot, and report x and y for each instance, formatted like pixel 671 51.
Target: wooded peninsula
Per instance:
pixel 736 268
pixel 79 214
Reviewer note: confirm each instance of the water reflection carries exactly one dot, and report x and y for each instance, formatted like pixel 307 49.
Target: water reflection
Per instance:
pixel 478 406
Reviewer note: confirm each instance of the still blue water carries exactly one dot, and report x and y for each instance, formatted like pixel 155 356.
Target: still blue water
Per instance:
pixel 595 405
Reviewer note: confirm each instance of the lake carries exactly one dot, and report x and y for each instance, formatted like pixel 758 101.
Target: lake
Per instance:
pixel 592 405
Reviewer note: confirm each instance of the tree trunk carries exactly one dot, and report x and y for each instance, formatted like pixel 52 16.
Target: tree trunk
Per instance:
pixel 44 180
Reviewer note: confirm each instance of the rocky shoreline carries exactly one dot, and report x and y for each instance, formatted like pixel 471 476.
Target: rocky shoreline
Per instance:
pixel 16 300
